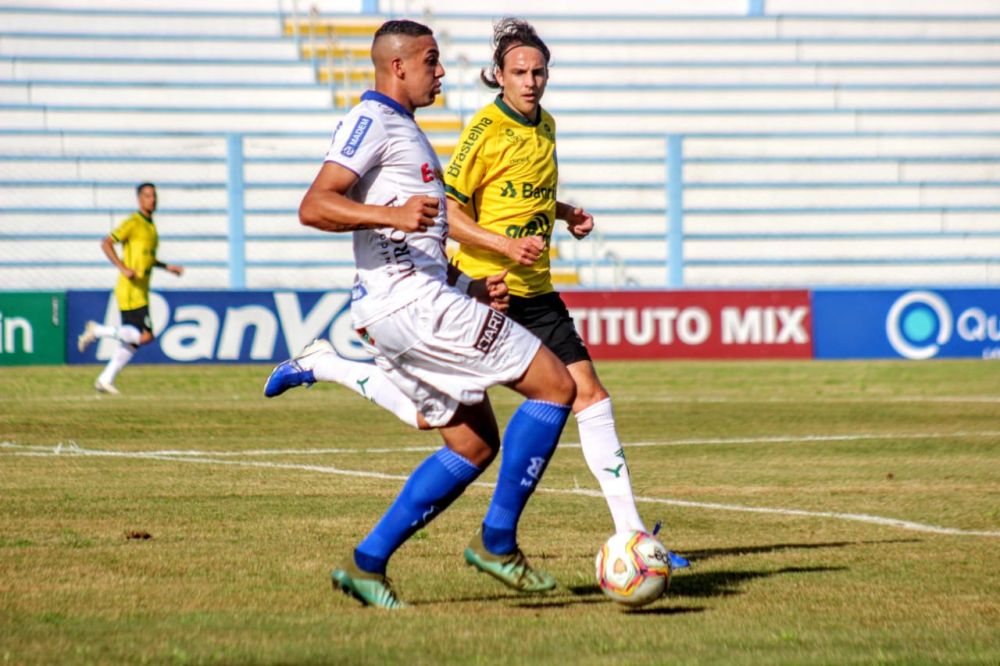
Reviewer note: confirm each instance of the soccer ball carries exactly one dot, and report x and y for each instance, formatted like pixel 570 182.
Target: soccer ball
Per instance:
pixel 633 568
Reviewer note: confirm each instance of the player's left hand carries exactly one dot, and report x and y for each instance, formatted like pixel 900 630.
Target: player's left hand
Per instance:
pixel 579 222
pixel 492 290
pixel 176 270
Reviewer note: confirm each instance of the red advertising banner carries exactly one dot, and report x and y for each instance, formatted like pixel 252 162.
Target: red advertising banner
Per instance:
pixel 693 324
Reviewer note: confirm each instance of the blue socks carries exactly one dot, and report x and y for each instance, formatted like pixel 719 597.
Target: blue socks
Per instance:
pixel 528 445
pixel 434 484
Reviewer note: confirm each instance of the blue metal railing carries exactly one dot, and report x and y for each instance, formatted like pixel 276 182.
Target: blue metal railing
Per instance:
pixel 665 244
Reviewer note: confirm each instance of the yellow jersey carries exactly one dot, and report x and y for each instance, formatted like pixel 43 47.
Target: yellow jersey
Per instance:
pixel 504 174
pixel 138 237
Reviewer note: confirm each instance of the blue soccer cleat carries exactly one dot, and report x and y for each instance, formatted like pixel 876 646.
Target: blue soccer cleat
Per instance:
pixel 296 371
pixel 676 561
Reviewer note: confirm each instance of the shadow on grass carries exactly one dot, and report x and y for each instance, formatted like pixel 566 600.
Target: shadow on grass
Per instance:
pixel 728 583
pixel 707 584
pixel 603 601
pixel 707 554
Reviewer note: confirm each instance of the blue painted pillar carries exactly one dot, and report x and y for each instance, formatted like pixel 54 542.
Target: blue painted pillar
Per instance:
pixel 675 210
pixel 235 194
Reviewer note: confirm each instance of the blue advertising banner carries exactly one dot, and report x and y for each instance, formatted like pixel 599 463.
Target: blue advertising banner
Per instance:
pixel 220 327
pixel 914 324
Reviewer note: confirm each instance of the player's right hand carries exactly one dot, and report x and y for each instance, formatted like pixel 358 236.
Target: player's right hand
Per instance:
pixel 417 214
pixel 128 273
pixel 526 250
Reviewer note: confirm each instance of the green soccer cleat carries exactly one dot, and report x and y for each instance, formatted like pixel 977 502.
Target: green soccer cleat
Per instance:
pixel 370 589
pixel 512 569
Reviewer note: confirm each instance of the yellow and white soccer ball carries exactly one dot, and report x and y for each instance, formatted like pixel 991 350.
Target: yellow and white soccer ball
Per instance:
pixel 633 568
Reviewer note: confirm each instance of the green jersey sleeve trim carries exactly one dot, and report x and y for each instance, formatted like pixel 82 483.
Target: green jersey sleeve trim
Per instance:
pixel 456 194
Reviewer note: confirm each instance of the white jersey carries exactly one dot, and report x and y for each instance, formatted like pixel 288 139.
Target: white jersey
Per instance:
pixel 380 141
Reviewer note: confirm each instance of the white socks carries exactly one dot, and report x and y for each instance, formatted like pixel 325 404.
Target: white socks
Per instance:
pixel 127 334
pixel 119 358
pixel 128 341
pixel 368 381
pixel 606 459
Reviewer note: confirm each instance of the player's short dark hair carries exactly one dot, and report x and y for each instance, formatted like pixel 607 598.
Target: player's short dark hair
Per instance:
pixel 509 33
pixel 140 186
pixel 403 27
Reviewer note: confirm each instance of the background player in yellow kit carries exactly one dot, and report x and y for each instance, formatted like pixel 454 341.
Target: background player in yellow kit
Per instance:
pixel 138 238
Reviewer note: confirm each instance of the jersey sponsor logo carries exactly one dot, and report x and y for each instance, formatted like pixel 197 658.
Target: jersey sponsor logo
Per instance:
pixel 395 254
pixel 529 191
pixel 538 225
pixel 474 133
pixel 357 136
pixel 490 331
pixel 509 190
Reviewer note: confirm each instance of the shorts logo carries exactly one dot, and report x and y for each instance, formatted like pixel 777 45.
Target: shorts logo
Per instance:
pixel 357 136
pixel 490 331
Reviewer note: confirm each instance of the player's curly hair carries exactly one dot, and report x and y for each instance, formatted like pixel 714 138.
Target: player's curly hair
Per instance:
pixel 509 33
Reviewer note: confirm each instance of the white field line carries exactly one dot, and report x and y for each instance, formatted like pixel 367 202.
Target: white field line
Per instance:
pixel 653 397
pixel 74 450
pixel 722 441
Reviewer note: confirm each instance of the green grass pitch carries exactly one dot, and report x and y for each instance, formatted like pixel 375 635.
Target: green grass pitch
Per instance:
pixel 834 513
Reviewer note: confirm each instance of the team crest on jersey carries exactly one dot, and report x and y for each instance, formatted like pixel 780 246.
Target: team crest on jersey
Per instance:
pixel 429 173
pixel 357 136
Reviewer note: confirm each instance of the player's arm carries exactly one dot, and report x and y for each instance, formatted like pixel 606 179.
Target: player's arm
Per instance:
pixel 176 269
pixel 578 221
pixel 464 229
pixel 491 290
pixel 108 247
pixel 327 208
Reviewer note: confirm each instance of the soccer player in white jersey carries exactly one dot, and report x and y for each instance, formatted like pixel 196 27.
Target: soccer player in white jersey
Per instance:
pixel 508 148
pixel 440 347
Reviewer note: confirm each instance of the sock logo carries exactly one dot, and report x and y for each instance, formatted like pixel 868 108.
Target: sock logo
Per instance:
pixel 615 470
pixel 425 517
pixel 535 470
pixel 361 384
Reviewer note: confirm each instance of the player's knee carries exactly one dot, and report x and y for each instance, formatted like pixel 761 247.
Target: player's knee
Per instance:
pixel 563 387
pixel 146 338
pixel 587 395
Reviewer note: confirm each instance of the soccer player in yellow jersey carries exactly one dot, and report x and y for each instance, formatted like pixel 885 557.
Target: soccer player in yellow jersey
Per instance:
pixel 502 206
pixel 138 238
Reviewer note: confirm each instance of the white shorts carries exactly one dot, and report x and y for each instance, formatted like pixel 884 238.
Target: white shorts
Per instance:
pixel 447 349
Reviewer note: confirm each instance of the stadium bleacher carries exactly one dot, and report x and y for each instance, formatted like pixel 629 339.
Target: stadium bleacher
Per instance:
pixel 818 149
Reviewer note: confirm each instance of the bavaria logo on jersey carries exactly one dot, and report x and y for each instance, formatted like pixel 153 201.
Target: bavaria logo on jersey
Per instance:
pixel 357 136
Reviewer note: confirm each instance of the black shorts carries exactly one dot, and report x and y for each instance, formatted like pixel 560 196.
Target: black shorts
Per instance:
pixel 547 317
pixel 139 318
